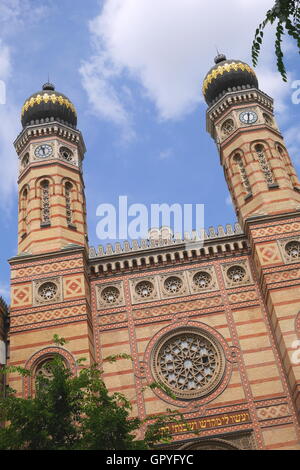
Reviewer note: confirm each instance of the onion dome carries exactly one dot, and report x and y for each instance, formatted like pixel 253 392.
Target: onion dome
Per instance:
pixel 48 105
pixel 227 76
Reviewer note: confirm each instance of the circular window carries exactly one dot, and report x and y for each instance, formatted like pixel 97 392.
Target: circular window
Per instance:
pixel 66 154
pixel 173 284
pixel 236 273
pixel 228 127
pixel 190 362
pixel 293 249
pixel 110 294
pixel 48 291
pixel 202 280
pixel 144 288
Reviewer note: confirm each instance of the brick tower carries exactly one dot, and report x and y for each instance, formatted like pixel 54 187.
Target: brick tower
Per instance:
pixel 266 194
pixel 50 291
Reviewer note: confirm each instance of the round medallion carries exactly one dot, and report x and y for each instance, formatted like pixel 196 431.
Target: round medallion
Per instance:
pixel 144 289
pixel 293 249
pixel 110 294
pixel 202 279
pixel 190 362
pixel 236 273
pixel 48 291
pixel 173 284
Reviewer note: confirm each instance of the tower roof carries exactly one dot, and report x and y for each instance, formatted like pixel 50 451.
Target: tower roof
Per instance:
pixel 48 105
pixel 226 76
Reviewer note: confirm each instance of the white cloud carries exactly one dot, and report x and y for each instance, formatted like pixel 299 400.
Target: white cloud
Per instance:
pixel 14 14
pixel 167 47
pixel 9 128
pixel 165 154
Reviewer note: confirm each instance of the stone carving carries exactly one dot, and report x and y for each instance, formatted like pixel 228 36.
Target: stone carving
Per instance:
pixel 110 295
pixel 144 289
pixel 290 249
pixel 236 274
pixel 47 291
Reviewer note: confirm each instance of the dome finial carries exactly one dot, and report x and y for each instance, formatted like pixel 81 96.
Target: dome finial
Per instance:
pixel 48 86
pixel 220 58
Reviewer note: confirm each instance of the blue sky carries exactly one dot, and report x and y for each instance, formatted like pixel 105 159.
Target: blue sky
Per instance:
pixel 134 70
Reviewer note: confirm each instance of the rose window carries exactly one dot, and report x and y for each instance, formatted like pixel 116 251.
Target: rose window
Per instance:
pixel 189 363
pixel 110 295
pixel 48 291
pixel 144 289
pixel 202 280
pixel 173 284
pixel 236 274
pixel 293 249
pixel 228 127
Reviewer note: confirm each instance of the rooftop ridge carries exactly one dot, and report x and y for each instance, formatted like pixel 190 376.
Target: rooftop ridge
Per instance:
pixel 145 244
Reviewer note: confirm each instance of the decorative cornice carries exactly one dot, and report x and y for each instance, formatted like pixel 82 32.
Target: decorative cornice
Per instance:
pixel 153 252
pixel 47 129
pixel 46 97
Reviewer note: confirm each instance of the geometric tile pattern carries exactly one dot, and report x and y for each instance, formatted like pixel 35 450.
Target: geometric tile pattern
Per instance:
pixel 277 229
pixel 283 276
pixel 47 315
pixel 73 286
pixel 269 254
pixel 242 296
pixel 178 307
pixel 21 296
pixel 112 318
pixel 271 412
pixel 48 268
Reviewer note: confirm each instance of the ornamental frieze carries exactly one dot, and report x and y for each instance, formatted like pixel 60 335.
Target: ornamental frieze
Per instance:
pixel 229 419
pixel 178 307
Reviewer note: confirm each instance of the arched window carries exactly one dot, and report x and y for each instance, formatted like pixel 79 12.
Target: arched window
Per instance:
pixel 25 161
pixel 68 196
pixel 45 203
pixel 227 127
pixel 24 203
pixel 288 165
pixel 262 158
pixel 244 177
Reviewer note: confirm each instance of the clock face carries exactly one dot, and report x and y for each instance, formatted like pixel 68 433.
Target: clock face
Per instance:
pixel 248 117
pixel 43 151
